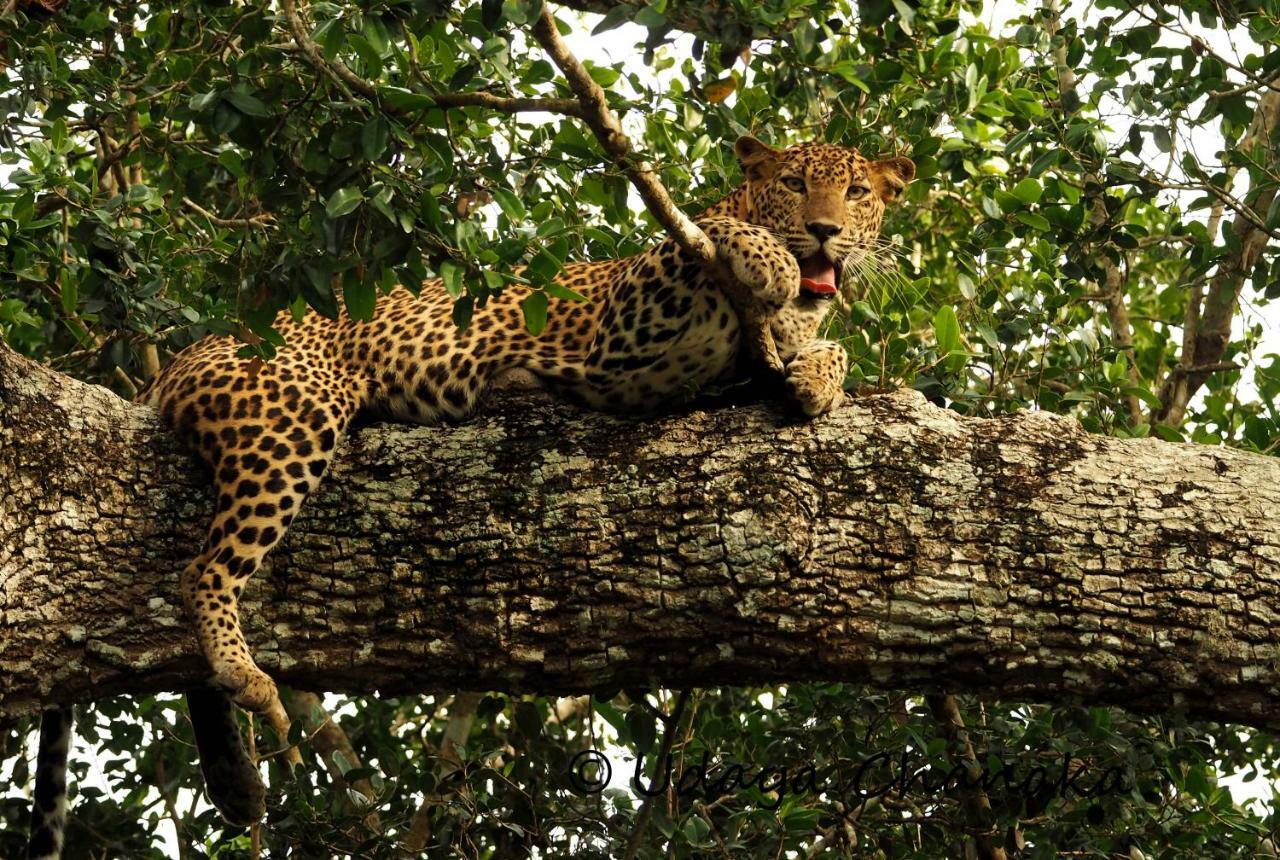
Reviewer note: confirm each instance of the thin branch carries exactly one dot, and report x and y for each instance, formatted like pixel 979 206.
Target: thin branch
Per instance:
pixel 346 78
pixel 462 714
pixel 335 69
pixel 568 107
pixel 1200 47
pixel 671 727
pixel 680 227
pixel 1271 81
pixel 263 220
pixel 980 819
pixel 1209 321
pixel 328 739
pixel 1114 286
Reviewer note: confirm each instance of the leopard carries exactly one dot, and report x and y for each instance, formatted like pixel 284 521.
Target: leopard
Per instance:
pixel 652 326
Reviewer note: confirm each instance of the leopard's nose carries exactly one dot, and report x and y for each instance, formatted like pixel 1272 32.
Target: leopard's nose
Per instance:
pixel 823 230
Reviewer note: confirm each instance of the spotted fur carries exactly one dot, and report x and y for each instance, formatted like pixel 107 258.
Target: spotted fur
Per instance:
pixel 49 804
pixel 654 327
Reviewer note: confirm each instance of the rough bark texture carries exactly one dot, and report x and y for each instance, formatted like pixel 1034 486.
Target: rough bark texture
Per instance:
pixel 542 548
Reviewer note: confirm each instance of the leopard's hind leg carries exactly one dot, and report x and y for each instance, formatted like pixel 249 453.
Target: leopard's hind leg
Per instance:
pixel 268 445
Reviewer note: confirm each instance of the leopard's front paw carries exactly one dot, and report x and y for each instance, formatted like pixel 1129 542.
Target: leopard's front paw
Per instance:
pixel 771 273
pixel 815 377
pixel 758 261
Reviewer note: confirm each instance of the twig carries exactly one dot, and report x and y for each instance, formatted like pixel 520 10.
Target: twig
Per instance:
pixel 462 713
pixel 1114 287
pixel 263 220
pixel 1208 321
pixel 977 805
pixel 342 74
pixel 255 829
pixel 670 729
pixel 687 235
pixel 171 809
pixel 569 107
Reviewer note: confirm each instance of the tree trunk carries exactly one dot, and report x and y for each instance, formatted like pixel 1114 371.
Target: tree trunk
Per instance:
pixel 542 548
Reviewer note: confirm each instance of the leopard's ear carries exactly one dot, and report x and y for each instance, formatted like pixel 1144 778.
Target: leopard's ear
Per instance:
pixel 891 175
pixel 759 160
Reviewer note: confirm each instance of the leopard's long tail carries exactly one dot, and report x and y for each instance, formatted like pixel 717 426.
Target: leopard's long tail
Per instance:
pixel 49 805
pixel 230 776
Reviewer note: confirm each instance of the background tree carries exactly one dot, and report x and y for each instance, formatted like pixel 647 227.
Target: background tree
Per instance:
pixel 1094 207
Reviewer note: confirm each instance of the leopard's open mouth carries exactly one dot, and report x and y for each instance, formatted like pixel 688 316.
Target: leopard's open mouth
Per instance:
pixel 819 277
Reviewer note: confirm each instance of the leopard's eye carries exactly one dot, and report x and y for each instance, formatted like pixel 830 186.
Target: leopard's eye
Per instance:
pixel 857 192
pixel 794 183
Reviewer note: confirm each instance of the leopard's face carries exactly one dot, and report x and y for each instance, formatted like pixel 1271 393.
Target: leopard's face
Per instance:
pixel 824 202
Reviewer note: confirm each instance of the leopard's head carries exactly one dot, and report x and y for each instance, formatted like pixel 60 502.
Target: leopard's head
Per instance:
pixel 823 202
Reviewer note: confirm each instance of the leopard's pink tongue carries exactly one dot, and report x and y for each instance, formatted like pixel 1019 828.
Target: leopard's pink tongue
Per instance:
pixel 818 275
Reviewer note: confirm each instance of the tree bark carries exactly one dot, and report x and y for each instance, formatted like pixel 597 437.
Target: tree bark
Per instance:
pixel 539 547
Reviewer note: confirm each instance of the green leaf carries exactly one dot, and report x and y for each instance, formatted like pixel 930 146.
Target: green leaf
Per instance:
pixel 1044 161
pixel 368 54
pixel 603 75
pixel 58 135
pixel 615 17
pixel 1006 201
pixel 510 204
pixel 234 164
pixel 1028 191
pixel 560 291
pixel 550 227
pixel 1034 221
pixel 535 312
pixel 203 101
pixel 451 276
pixel 643 728
pixel 341 762
pixel 528 720
pixel 343 201
pixel 226 118
pixel 490 13
pixel 548 262
pixel 376 33
pixel 70 293
pixel 650 17
pixel 374 138
pixel 246 104
pixel 946 330
pixel 463 308
pixel 316 287
pixel 400 99
pixel 1160 134
pixel 360 298
pixel 1273 213
pixel 330 37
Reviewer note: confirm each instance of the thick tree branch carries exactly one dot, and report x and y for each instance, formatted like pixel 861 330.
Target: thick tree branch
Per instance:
pixel 608 131
pixel 542 548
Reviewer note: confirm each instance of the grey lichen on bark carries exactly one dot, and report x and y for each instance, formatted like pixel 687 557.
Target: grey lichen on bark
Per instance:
pixel 543 548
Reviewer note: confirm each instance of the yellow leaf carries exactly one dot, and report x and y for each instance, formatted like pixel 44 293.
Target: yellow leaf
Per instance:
pixel 718 91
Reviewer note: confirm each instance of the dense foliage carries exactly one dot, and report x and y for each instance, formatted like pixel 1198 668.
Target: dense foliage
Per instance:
pixel 1093 206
